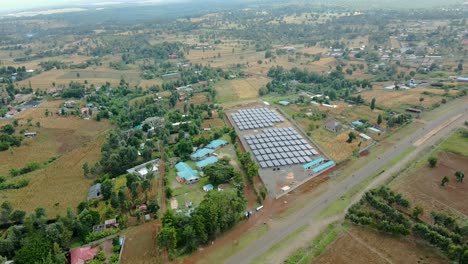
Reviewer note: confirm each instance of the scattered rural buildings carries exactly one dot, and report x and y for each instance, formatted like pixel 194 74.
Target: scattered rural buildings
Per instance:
pixel 333 126
pixel 69 104
pixel 143 170
pixel 95 192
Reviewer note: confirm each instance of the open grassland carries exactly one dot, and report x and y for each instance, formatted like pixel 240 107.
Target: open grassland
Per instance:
pixel 141 246
pixel 357 42
pixel 423 184
pixel 335 144
pixel 394 99
pixel 60 184
pixel 97 77
pixel 360 245
pixel 239 89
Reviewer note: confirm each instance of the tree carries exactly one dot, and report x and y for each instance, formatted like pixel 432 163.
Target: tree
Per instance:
pixel 444 181
pixel 233 136
pixel 167 237
pixel 351 137
pixel 460 176
pixel 417 211
pixel 17 216
pixel 372 104
pixel 219 173
pixel 432 162
pixel 36 246
pixel 8 129
pixel 106 189
pixel 379 120
pixel 460 67
pixel 421 99
pixel 85 169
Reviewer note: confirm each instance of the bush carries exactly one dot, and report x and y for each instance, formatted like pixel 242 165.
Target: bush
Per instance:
pixel 432 162
pixel 96 236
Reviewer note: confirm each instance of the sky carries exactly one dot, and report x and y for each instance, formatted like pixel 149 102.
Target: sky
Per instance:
pixel 17 5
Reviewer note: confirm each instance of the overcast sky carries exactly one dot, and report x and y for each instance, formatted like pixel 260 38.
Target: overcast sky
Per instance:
pixel 10 5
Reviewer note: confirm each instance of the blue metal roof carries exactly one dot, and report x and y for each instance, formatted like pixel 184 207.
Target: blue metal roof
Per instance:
pixel 206 162
pixel 201 153
pixel 216 143
pixel 185 171
pixel 312 163
pixel 208 187
pixel 323 166
pixel 357 123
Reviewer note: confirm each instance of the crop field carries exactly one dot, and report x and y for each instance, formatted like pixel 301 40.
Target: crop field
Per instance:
pixel 359 245
pixel 44 80
pixel 72 141
pixel 423 184
pixel 393 99
pixel 394 43
pixel 240 89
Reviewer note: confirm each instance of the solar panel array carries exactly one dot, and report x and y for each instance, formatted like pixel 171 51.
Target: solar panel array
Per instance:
pixel 280 147
pixel 253 118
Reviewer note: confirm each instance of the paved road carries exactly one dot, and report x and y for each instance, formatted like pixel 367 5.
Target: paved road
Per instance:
pixel 304 216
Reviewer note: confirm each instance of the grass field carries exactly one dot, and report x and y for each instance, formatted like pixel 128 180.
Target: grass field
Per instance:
pixel 394 99
pixel 360 245
pixel 98 76
pixel 239 89
pixel 73 141
pixel 140 244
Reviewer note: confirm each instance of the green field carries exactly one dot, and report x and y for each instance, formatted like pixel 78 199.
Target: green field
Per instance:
pixel 456 143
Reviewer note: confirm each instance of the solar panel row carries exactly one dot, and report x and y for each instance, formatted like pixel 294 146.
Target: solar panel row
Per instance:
pixel 280 147
pixel 253 118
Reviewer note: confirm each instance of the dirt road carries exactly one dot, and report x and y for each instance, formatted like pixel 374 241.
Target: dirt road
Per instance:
pixel 309 211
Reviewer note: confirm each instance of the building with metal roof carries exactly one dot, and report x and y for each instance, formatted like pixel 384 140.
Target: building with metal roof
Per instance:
pixel 203 163
pixel 201 154
pixel 218 143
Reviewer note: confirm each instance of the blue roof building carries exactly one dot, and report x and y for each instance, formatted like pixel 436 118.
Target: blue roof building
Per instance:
pixel 201 154
pixel 216 144
pixel 206 162
pixel 208 187
pixel 312 163
pixel 323 166
pixel 357 123
pixel 185 172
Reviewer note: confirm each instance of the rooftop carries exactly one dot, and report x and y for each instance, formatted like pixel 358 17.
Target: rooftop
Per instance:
pixel 201 153
pixel 216 143
pixel 207 161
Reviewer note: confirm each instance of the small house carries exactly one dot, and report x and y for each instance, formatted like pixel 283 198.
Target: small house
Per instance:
pixel 374 130
pixel 357 123
pixel 333 126
pixel 201 154
pixel 208 187
pixel 69 104
pixel 462 79
pixel 283 103
pixel 364 136
pixel 82 255
pixel 30 134
pixel 95 192
pixel 85 111
pixel 215 144
pixel 414 110
pixel 143 170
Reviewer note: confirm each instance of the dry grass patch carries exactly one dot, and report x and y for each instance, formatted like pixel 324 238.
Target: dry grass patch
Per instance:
pixel 335 144
pixel 61 184
pixel 240 89
pixel 393 99
pixel 360 245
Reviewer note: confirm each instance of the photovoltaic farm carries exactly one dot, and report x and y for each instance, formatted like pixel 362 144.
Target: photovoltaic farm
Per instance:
pixel 285 156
